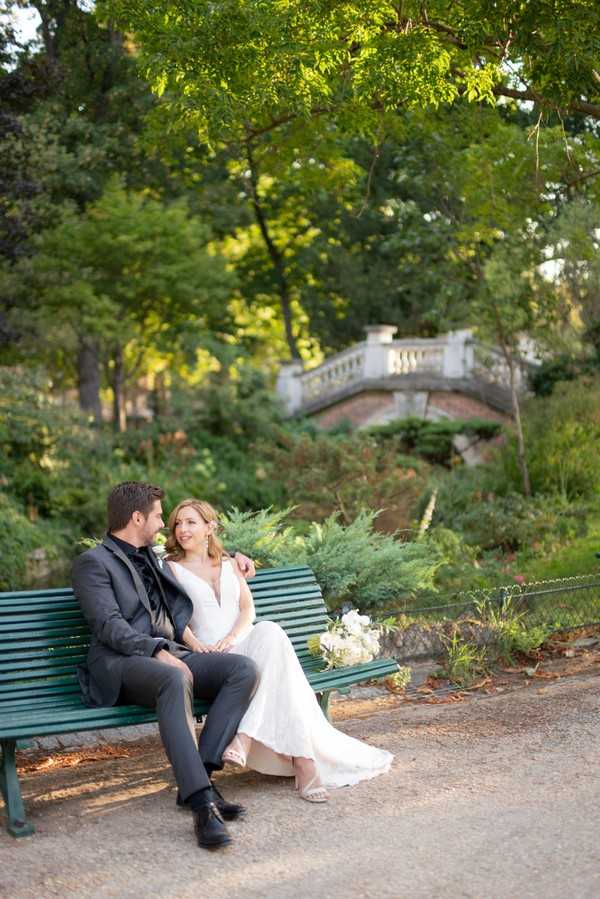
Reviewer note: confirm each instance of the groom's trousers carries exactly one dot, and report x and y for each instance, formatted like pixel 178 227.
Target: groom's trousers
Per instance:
pixel 226 680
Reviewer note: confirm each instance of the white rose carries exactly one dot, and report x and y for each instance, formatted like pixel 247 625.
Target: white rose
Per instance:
pixel 352 622
pixel 350 656
pixel 371 642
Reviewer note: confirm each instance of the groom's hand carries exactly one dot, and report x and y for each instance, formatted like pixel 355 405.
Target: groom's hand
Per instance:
pixel 164 656
pixel 245 565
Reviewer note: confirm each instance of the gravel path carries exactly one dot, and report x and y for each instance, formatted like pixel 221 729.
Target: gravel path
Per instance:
pixel 492 797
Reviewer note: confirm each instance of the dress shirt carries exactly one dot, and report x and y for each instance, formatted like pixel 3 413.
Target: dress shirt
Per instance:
pixel 162 624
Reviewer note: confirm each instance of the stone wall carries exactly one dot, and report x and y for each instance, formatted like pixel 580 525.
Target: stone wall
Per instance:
pixel 380 406
pixel 457 405
pixel 357 409
pixel 419 641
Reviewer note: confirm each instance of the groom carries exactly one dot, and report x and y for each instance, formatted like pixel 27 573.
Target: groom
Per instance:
pixel 141 653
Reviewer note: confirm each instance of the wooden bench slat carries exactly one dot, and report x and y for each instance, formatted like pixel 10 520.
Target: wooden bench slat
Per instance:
pixel 13 661
pixel 9 699
pixel 79 717
pixel 327 680
pixel 65 668
pixel 50 592
pixel 52 618
pixel 15 645
pixel 21 685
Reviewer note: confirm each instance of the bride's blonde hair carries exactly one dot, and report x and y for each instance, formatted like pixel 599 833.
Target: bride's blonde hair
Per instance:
pixel 209 515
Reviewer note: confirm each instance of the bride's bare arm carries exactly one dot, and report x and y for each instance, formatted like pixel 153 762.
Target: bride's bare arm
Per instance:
pixel 244 619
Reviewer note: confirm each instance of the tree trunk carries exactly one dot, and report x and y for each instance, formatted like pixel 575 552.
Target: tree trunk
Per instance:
pixel 117 382
pixel 160 395
pixel 516 410
pixel 507 351
pixel 88 378
pixel 276 257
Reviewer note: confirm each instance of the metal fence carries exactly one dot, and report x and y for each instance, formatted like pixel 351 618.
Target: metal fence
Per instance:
pixel 560 604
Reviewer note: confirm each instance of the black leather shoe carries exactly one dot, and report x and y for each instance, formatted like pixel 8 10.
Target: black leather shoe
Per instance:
pixel 211 832
pixel 228 810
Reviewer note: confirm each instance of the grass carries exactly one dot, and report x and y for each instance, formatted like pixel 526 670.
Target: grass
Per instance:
pixel 575 558
pixel 464 662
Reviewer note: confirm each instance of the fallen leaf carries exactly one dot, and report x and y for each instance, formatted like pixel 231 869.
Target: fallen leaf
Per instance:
pixel 451 697
pixel 481 683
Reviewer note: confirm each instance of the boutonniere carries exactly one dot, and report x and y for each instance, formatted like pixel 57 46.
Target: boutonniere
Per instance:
pixel 159 550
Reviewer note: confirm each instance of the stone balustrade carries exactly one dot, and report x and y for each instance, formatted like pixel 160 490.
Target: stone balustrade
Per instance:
pixel 452 357
pixel 344 368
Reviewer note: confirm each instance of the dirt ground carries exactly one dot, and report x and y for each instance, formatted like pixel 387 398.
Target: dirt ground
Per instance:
pixel 496 795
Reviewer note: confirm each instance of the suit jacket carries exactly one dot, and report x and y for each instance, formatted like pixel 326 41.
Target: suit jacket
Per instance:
pixel 115 604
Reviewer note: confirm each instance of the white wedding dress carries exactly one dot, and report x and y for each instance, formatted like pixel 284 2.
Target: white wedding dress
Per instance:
pixel 284 717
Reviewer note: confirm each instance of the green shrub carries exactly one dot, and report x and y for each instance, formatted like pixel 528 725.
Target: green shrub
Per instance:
pixel 321 475
pixel 20 537
pixel 260 535
pixel 464 567
pixel 550 372
pixel 562 435
pixel 513 522
pixel 371 569
pixel 352 562
pixel 480 505
pixel 61 467
pixel 433 440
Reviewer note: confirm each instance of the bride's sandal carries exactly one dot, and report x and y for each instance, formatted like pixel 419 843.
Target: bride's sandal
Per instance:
pixel 313 790
pixel 316 793
pixel 235 753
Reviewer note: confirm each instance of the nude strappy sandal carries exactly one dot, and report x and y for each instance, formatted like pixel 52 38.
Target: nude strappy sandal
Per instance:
pixel 313 791
pixel 235 753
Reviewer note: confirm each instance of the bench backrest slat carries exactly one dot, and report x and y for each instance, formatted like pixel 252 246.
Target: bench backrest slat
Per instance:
pixel 43 635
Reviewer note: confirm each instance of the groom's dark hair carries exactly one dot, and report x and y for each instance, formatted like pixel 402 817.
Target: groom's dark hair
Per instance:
pixel 127 498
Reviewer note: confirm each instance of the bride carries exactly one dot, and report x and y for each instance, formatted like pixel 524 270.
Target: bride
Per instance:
pixel 284 731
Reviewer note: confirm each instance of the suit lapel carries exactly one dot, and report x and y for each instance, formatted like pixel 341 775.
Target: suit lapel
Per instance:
pixel 165 572
pixel 139 586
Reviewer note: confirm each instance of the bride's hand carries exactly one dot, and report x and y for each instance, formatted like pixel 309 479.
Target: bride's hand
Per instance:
pixel 199 646
pixel 225 644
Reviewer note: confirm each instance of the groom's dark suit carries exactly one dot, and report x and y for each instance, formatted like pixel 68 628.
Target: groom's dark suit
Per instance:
pixel 121 666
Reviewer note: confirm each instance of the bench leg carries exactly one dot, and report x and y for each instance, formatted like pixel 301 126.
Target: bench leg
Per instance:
pixel 11 791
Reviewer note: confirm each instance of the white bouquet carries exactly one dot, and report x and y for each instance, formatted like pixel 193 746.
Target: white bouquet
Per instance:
pixel 351 640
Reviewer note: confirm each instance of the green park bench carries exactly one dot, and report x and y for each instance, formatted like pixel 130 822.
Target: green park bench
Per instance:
pixel 43 637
